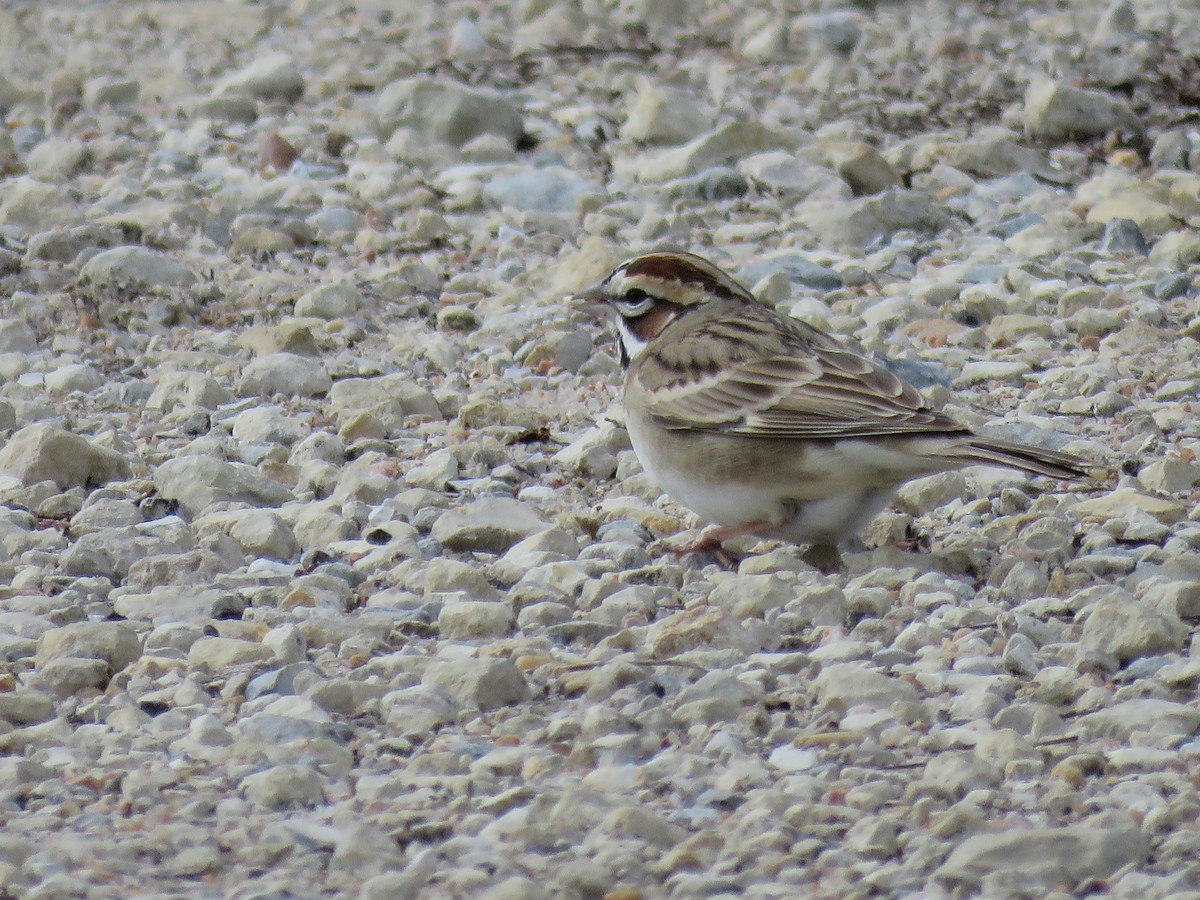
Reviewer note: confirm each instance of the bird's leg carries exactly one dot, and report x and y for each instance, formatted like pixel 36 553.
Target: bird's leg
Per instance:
pixel 712 539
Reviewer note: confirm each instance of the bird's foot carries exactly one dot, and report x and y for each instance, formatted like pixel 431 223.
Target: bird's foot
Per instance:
pixel 712 541
pixel 704 544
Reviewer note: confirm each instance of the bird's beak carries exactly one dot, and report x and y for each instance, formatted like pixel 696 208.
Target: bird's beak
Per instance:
pixel 591 301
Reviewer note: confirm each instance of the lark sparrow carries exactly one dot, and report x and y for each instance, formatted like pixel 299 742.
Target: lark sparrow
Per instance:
pixel 765 425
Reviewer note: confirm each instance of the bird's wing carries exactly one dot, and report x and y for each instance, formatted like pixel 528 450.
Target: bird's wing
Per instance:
pixel 753 372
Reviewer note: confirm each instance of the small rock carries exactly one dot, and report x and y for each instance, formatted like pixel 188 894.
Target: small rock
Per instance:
pixel 638 822
pixel 124 267
pixel 115 643
pixel 863 168
pixel 36 205
pixel 65 244
pixel 232 108
pixel 219 653
pixel 1144 714
pixel 75 377
pixel 727 144
pixel 1128 629
pixel 259 532
pixel 1179 597
pixel 1035 860
pixel 69 675
pixel 551 189
pixel 42 452
pixel 923 495
pixel 706 629
pixel 796 267
pixel 487 683
pixel 16 337
pixel 1115 503
pixel 1056 112
pixel 446 112
pixel 284 787
pixel 843 685
pixel 752 595
pixel 1141 204
pixel 167 602
pixel 25 706
pixel 389 398
pixel 113 91
pixel 434 472
pixel 197 482
pixel 466 41
pixel 789 176
pixel 1123 237
pixel 57 159
pixel 330 301
pixel 1172 286
pixel 471 620
pixel 662 115
pixel 273 77
pixel 490 524
pixel 991 370
pixel 187 389
pixel 859 223
pixel 284 373
pixel 1171 475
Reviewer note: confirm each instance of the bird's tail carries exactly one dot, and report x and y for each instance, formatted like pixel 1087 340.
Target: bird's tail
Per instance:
pixel 1051 463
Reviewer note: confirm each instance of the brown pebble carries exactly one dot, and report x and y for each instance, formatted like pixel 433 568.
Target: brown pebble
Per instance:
pixel 277 153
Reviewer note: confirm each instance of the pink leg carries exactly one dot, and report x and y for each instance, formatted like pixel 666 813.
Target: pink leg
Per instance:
pixel 711 540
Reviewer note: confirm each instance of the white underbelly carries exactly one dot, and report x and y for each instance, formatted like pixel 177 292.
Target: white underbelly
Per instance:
pixel 825 510
pixel 725 504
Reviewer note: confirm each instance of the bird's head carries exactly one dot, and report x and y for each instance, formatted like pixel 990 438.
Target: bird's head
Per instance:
pixel 645 294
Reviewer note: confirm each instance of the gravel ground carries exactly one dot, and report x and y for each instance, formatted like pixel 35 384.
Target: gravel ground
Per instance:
pixel 327 567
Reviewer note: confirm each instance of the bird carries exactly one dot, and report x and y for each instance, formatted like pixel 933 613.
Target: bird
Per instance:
pixel 765 425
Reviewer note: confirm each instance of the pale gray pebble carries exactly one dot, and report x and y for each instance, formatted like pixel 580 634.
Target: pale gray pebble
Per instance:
pixel 330 301
pixel 284 373
pixel 136 267
pixel 712 185
pixel 57 159
pixel 389 398
pixel 475 620
pixel 173 389
pixel 273 76
pixel 1120 625
pixel 16 337
pixel 42 452
pixel 1034 859
pixel 664 115
pixel 549 190
pixel 483 683
pixel 66 244
pixel 26 706
pixel 116 644
pixel 332 221
pixel 797 267
pixel 446 111
pixel 284 787
pixel 490 524
pixel 197 482
pixel 69 675
pixel 1056 111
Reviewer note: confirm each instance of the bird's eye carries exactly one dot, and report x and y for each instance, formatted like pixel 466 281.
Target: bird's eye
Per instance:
pixel 633 303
